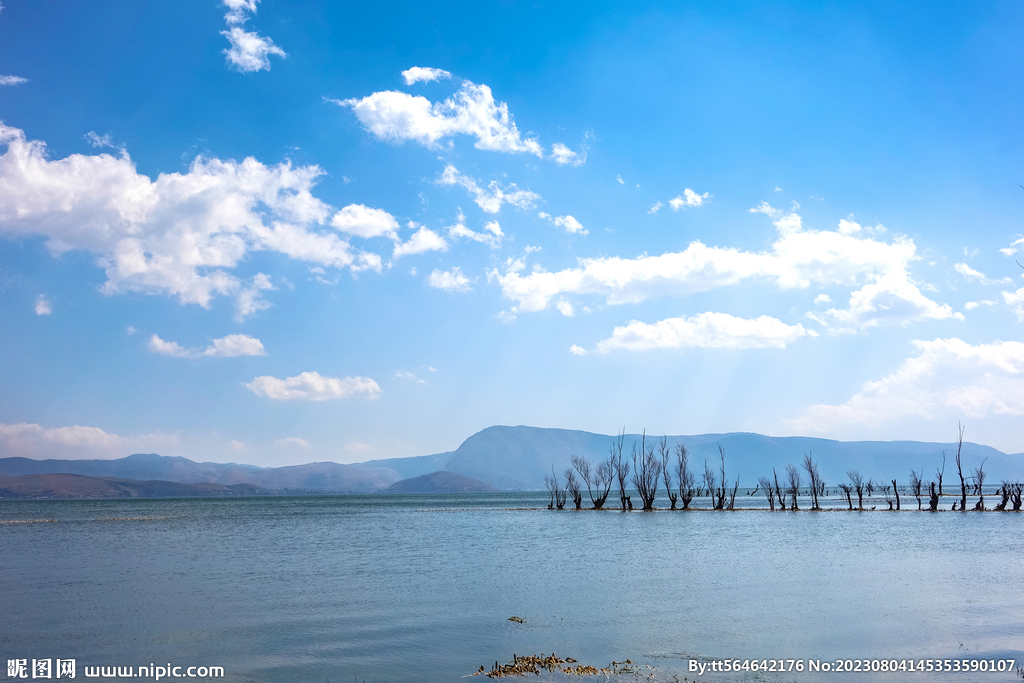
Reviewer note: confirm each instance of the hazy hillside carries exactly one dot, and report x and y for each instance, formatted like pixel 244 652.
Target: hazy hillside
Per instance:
pixel 441 482
pixel 511 458
pixel 326 476
pixel 78 486
pixel 519 457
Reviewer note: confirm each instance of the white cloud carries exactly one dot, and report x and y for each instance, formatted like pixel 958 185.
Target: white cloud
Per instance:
pixel 1013 248
pixel 312 386
pixel 249 50
pixel 822 299
pixel 231 346
pixel 250 299
pixel 398 116
pixel 563 155
pixel 237 446
pixel 362 221
pixel 567 223
pixel 491 199
pixel 43 306
pixel 402 374
pixel 290 441
pixel 238 10
pixel 1016 299
pixel 97 140
pixel 619 179
pixel 655 208
pixel 421 241
pixel 130 330
pixel 577 350
pixel 948 380
pixel 12 80
pixel 74 443
pixel 971 305
pixel 491 235
pixel 425 74
pixel 706 330
pixel 179 234
pixel 450 281
pixel 973 275
pixel 565 308
pixel 688 198
pixel 879 270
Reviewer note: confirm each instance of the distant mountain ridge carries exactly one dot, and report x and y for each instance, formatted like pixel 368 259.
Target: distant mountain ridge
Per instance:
pixel 517 458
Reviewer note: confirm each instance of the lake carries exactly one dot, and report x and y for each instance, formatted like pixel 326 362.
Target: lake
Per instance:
pixel 420 588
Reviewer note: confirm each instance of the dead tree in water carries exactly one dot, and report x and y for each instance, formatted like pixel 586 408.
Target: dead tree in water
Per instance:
pixel 979 481
pixel 646 473
pixel 572 487
pixel 1016 491
pixel 722 491
pixel 939 472
pixel 933 499
pixel 1004 491
pixel 778 491
pixel 687 480
pixel 620 467
pixel 666 471
pixel 858 486
pixel 915 485
pixel 766 485
pixel 896 490
pixel 711 484
pixel 847 489
pixel 960 470
pixel 558 494
pixel 793 488
pixel 599 479
pixel 815 476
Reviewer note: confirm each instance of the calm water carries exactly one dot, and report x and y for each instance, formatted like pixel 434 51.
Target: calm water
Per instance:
pixel 419 588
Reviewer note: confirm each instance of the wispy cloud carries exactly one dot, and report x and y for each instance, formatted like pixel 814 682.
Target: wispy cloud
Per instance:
pixel 496 194
pixel 398 117
pixel 706 330
pixel 249 50
pixel 312 386
pixel 231 346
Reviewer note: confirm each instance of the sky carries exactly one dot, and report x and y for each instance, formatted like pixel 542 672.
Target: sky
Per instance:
pixel 278 232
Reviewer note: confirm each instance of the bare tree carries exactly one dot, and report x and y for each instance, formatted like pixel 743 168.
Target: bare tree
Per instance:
pixel 620 467
pixel 766 485
pixel 550 484
pixel 940 472
pixel 915 485
pixel 979 482
pixel 722 491
pixel 778 491
pixel 572 487
pixel 896 490
pixel 815 476
pixel 711 484
pixel 646 472
pixel 933 498
pixel 960 470
pixel 687 480
pixel 847 489
pixel 664 451
pixel 858 485
pixel 1016 491
pixel 599 480
pixel 1004 491
pixel 793 487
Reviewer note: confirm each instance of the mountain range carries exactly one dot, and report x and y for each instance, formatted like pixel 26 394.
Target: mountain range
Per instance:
pixel 518 458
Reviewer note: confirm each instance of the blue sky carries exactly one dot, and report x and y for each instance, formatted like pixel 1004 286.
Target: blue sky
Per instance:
pixel 278 232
